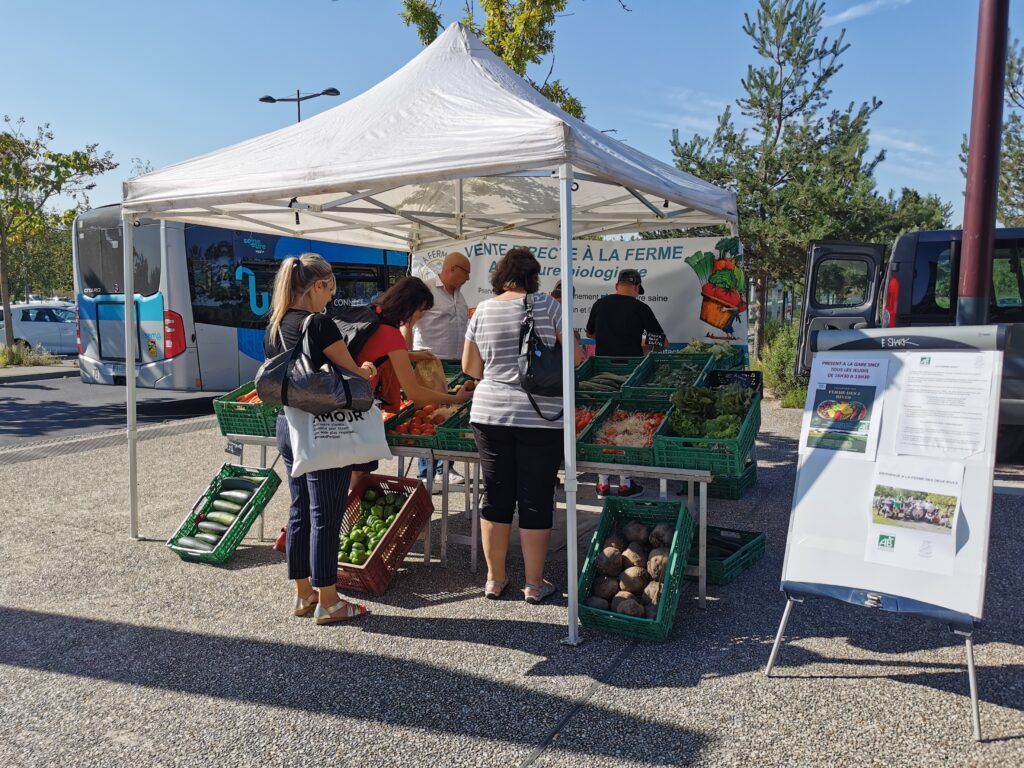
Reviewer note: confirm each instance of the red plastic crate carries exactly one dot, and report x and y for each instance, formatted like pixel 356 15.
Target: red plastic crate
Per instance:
pixel 376 573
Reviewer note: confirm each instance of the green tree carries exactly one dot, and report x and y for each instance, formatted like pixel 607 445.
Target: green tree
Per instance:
pixel 803 169
pixel 1010 200
pixel 519 32
pixel 42 262
pixel 31 176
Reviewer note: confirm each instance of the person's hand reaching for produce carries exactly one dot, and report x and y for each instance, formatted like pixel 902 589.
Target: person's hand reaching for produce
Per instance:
pixel 463 394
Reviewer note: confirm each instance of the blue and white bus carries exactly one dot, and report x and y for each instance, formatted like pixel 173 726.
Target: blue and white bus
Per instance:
pixel 202 296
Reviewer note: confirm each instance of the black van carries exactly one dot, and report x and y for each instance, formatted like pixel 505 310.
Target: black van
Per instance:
pixel 849 285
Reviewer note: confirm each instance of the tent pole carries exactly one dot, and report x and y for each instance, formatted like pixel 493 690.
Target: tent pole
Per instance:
pixel 569 400
pixel 130 336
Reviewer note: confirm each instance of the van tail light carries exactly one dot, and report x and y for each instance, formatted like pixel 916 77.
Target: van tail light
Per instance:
pixel 174 334
pixel 892 297
pixel 78 331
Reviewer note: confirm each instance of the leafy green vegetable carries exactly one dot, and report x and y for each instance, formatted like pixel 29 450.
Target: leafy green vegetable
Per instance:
pixel 728 246
pixel 685 425
pixel 725 278
pixel 733 400
pixel 702 262
pixel 698 402
pixel 723 427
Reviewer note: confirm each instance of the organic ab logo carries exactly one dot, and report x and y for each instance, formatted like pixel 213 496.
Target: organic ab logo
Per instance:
pixel 926 361
pixel 886 542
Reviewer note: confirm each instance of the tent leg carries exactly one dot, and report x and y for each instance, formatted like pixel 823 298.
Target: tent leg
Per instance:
pixel 130 336
pixel 569 402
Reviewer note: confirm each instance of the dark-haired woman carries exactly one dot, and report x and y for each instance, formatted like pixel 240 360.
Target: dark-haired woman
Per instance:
pixel 402 304
pixel 302 289
pixel 520 444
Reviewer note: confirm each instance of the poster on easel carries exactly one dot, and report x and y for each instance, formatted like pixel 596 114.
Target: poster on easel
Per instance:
pixel 844 406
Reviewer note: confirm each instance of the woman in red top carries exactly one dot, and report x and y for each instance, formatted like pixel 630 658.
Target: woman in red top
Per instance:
pixel 402 304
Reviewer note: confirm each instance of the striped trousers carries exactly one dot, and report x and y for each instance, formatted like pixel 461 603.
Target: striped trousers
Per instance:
pixel 314 518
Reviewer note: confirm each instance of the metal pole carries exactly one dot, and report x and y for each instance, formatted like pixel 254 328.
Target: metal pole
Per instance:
pixel 983 163
pixel 298 106
pixel 778 636
pixel 569 399
pixel 130 336
pixel 973 679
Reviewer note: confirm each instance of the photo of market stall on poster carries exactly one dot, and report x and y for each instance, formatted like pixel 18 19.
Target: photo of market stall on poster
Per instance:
pixel 695 286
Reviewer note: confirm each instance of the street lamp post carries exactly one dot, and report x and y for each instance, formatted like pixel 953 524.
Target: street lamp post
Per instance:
pixel 298 98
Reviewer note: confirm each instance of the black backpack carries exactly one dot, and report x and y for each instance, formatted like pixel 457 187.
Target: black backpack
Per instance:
pixel 357 325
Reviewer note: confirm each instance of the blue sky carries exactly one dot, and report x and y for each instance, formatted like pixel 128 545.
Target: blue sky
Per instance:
pixel 168 81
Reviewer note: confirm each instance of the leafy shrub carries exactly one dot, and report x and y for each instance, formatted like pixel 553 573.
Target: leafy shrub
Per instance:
pixel 19 354
pixel 795 398
pixel 778 363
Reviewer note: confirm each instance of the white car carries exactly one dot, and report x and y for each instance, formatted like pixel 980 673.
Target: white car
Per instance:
pixel 50 324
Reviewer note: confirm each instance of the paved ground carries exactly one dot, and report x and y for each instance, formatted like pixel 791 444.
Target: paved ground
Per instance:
pixel 116 653
pixel 52 408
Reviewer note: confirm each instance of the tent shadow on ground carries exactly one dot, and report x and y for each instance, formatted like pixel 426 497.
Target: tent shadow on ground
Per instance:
pixel 328 682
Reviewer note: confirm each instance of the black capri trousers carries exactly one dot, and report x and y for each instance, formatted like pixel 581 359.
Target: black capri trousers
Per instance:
pixel 520 467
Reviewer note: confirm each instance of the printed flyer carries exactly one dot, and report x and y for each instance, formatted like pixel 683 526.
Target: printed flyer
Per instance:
pixel 844 406
pixel 912 519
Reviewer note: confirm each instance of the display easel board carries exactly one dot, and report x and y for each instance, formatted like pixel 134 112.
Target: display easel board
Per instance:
pixel 843 501
pixel 893 496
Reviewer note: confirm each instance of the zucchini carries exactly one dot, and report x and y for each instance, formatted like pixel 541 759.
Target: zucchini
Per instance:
pixel 209 538
pixel 224 518
pixel 238 497
pixel 189 542
pixel 226 506
pixel 211 526
pixel 239 484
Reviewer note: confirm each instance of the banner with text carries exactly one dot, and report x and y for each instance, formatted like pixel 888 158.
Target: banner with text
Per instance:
pixel 695 286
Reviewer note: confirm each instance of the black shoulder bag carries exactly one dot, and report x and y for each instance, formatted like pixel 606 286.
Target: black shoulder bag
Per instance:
pixel 540 366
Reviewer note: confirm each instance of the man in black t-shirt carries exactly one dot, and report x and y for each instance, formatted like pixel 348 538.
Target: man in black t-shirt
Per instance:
pixel 617 323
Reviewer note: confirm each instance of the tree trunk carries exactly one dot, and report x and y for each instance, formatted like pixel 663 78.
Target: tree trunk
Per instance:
pixel 5 297
pixel 761 290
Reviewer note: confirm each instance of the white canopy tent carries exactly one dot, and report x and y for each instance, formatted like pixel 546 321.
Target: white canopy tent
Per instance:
pixel 452 147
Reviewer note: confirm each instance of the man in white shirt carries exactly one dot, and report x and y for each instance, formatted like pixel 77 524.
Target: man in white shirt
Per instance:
pixel 442 328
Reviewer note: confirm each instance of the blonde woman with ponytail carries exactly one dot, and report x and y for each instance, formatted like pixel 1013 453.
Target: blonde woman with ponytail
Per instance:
pixel 303 287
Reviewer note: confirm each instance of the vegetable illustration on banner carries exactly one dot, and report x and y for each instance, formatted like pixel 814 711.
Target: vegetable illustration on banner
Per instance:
pixel 723 285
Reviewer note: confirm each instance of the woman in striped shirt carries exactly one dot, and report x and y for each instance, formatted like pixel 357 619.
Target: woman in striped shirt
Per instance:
pixel 519 442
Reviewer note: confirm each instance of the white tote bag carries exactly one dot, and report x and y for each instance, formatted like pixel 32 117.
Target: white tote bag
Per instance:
pixel 336 439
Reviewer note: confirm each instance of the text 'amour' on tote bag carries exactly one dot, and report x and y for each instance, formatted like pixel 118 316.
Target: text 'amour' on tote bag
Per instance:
pixel 335 439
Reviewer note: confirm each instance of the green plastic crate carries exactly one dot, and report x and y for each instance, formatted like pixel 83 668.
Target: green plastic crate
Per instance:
pixel 726 487
pixel 697 364
pixel 595 400
pixel 615 513
pixel 594 365
pixel 237 418
pixel 455 434
pixel 451 367
pixel 225 548
pixel 587 450
pixel 748 548
pixel 722 457
pixel 409 441
pixel 728 362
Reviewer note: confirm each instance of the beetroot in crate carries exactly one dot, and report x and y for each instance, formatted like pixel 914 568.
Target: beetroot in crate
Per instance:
pixel 383 517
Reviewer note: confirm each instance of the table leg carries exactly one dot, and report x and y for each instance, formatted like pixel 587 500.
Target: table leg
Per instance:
pixel 689 495
pixel 426 530
pixel 444 514
pixel 703 549
pixel 662 488
pixel 263 463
